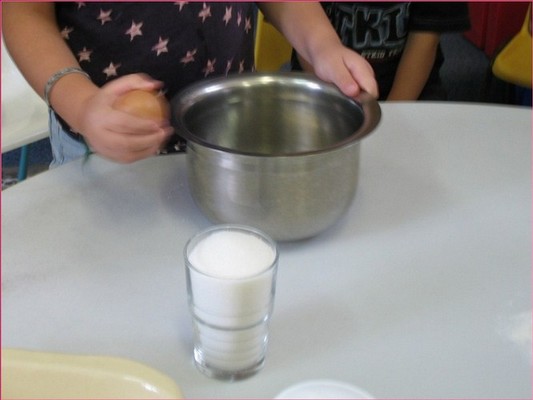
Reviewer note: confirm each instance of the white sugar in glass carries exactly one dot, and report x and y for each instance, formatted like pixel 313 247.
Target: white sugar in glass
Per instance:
pixel 231 275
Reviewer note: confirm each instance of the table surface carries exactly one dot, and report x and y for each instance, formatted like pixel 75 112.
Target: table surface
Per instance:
pixel 423 290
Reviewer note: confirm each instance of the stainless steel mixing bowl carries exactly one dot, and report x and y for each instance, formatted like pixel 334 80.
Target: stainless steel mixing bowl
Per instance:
pixel 279 152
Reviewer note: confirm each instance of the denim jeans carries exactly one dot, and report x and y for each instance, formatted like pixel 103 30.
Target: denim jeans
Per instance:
pixel 64 147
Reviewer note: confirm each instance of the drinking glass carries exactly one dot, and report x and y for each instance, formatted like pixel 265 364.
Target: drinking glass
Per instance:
pixel 231 278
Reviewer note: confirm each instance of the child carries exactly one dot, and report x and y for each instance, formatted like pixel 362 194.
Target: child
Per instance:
pixel 81 56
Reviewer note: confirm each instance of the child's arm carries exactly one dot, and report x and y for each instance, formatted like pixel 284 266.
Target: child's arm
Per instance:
pixel 415 66
pixel 307 28
pixel 35 43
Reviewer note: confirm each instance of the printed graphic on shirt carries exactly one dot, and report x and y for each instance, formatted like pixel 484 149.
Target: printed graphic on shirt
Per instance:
pixel 377 33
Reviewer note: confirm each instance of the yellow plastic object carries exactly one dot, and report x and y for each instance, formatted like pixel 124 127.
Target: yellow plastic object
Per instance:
pixel 513 63
pixel 40 375
pixel 272 50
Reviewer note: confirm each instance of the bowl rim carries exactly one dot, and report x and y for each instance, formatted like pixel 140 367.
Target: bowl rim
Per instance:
pixel 187 97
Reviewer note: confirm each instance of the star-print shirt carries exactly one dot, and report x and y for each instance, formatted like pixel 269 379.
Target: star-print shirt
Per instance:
pixel 177 43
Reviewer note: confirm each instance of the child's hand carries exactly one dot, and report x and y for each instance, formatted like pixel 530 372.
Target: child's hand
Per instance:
pixel 346 69
pixel 117 135
pixel 308 29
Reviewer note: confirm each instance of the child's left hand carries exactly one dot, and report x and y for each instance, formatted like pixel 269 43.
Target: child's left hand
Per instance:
pixel 346 69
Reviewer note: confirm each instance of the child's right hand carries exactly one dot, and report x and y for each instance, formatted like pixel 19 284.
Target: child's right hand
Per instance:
pixel 115 134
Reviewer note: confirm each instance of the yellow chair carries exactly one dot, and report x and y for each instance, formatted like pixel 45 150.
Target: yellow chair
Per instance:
pixel 513 63
pixel 272 50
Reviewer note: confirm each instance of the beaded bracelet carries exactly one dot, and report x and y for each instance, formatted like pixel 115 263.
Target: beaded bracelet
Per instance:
pixel 57 76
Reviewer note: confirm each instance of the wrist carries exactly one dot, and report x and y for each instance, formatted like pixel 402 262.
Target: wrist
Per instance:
pixel 56 77
pixel 69 96
pixel 320 47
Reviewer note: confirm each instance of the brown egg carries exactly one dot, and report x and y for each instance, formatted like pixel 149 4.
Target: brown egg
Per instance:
pixel 144 104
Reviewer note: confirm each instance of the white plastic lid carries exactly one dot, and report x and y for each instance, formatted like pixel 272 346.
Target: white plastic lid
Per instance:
pixel 323 389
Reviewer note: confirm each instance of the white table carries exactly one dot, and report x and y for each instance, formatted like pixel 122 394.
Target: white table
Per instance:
pixel 423 291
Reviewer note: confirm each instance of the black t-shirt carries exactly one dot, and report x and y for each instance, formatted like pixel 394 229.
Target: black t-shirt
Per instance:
pixel 378 31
